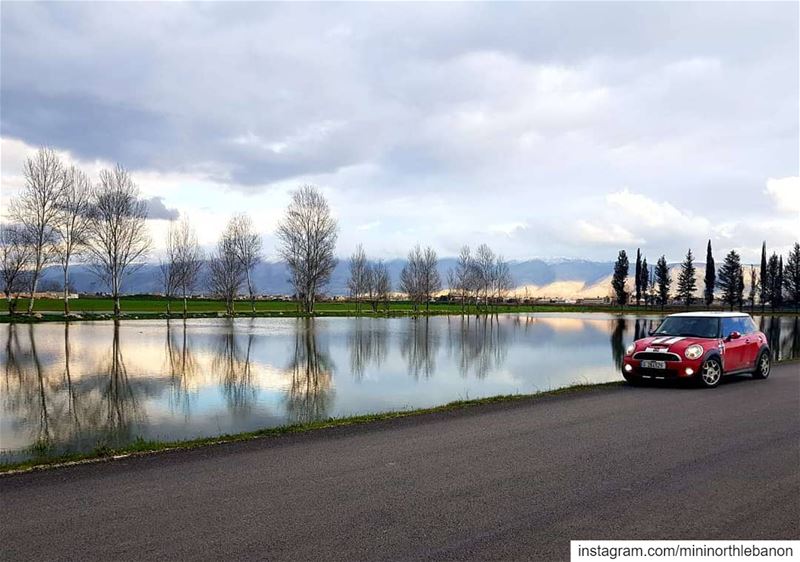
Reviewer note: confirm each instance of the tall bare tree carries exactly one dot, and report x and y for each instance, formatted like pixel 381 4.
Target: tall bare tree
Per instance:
pixel 411 277
pixel 170 267
pixel 15 261
pixel 308 236
pixel 358 283
pixel 503 282
pixel 460 276
pixel 190 259
pixel 430 281
pixel 36 210
pixel 248 245
pixel 382 284
pixel 227 273
pixel 118 237
pixel 72 222
pixel 484 273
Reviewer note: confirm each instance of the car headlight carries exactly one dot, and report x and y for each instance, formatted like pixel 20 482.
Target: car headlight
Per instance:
pixel 693 351
pixel 631 349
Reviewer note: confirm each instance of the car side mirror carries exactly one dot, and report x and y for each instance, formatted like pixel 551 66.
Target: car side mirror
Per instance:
pixel 734 335
pixel 651 332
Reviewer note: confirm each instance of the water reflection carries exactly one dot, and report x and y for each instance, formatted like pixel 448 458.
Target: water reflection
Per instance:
pixel 80 386
pixel 479 344
pixel 311 370
pixel 368 344
pixel 231 363
pixel 419 346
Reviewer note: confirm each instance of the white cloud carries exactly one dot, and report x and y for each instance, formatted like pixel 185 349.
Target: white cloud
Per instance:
pixel 786 193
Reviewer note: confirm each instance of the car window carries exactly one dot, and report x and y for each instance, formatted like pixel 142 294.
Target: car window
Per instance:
pixel 752 328
pixel 729 325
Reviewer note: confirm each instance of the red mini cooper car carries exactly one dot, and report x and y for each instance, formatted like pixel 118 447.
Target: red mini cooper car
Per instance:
pixel 702 346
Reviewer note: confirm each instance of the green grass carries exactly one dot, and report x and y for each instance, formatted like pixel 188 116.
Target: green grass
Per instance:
pixel 155 307
pixel 43 457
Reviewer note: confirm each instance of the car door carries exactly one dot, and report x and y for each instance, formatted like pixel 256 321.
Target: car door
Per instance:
pixel 752 345
pixel 734 347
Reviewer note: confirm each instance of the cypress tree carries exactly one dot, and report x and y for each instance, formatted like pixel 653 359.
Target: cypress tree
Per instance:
pixel 638 276
pixel 779 284
pixel 711 276
pixel 762 278
pixel 621 268
pixel 730 279
pixel 791 277
pixel 663 281
pixel 644 280
pixel 773 278
pixel 687 284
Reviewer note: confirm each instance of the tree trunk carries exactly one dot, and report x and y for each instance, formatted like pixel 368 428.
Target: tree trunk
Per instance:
pixel 34 284
pixel 184 305
pixel 66 290
pixel 117 308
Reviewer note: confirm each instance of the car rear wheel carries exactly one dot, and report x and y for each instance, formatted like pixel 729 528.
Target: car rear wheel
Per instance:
pixel 763 366
pixel 710 373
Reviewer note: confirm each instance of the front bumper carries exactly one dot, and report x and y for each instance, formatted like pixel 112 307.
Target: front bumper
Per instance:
pixel 683 369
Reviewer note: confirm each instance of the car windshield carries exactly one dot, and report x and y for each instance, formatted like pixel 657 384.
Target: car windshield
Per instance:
pixel 690 326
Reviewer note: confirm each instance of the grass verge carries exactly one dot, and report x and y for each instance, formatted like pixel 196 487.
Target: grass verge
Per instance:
pixel 142 446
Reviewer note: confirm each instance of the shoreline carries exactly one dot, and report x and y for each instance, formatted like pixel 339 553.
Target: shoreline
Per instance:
pixel 451 310
pixel 141 447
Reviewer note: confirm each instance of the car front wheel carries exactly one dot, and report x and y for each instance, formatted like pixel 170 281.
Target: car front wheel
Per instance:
pixel 711 373
pixel 763 366
pixel 634 380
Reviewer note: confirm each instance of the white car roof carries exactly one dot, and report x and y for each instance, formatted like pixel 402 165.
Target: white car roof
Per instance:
pixel 712 314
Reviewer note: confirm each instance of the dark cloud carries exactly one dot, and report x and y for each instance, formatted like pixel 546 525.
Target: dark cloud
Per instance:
pixel 158 211
pixel 523 111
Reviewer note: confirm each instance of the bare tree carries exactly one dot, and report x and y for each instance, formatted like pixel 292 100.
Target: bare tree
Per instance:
pixel 72 222
pixel 430 281
pixel 248 245
pixel 382 284
pixel 36 210
pixel 190 259
pixel 15 261
pixel 503 282
pixel 359 276
pixel 460 276
pixel 227 273
pixel 484 272
pixel 118 237
pixel 308 235
pixel 411 277
pixel 170 267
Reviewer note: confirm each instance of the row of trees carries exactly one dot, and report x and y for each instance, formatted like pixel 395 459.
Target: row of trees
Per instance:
pixel 772 284
pixel 61 216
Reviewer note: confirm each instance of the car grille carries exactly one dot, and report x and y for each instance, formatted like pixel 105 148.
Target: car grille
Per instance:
pixel 657 356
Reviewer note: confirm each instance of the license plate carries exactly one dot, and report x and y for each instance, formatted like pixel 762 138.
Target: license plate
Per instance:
pixel 648 364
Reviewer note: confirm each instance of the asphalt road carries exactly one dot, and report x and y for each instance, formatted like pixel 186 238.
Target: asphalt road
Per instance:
pixel 513 481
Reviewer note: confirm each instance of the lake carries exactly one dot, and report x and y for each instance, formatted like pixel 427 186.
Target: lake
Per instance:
pixel 74 387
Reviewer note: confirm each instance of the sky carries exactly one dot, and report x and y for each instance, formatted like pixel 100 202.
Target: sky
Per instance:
pixel 565 130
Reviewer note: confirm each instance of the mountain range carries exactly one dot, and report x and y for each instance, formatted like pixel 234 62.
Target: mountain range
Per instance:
pixel 564 278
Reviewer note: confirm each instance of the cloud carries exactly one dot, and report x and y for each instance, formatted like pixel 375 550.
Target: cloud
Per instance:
pixel 156 210
pixel 786 193
pixel 440 123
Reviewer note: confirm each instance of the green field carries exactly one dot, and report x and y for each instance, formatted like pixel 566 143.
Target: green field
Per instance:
pixel 155 307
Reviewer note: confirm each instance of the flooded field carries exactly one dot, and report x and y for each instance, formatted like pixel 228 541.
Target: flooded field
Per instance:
pixel 79 386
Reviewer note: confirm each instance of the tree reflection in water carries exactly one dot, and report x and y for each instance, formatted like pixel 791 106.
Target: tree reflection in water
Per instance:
pixel 182 367
pixel 419 346
pixel 311 370
pixel 118 400
pixel 617 339
pixel 479 344
pixel 368 344
pixel 232 364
